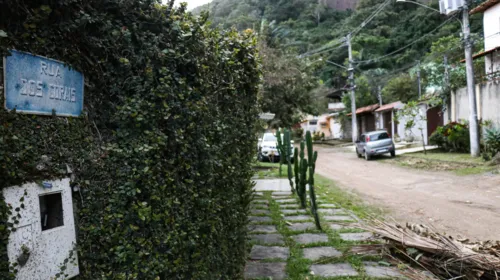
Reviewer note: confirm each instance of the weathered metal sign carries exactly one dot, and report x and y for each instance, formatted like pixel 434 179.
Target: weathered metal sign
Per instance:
pixel 39 85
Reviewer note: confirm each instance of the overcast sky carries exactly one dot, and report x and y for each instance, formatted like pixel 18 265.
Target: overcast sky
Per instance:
pixel 191 3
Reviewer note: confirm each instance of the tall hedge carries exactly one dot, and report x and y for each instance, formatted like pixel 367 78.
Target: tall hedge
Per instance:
pixel 162 153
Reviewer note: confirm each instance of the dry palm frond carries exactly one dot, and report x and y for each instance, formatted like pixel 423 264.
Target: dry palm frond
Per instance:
pixel 442 255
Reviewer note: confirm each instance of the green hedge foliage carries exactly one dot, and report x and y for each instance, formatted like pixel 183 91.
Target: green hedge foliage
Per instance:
pixel 162 154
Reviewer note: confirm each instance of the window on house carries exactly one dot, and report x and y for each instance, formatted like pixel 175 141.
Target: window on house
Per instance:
pixel 313 122
pixel 323 125
pixel 51 211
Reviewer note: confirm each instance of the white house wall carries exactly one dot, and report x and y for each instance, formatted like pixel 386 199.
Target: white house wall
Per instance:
pixel 421 122
pixel 491 27
pixel 488 103
pixel 48 249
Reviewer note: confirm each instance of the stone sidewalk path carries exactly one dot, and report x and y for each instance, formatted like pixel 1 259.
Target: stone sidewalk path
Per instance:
pixel 285 243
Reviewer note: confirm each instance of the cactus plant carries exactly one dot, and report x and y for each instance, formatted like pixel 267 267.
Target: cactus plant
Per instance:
pixel 287 155
pixel 312 156
pixel 296 169
pixel 280 147
pixel 301 187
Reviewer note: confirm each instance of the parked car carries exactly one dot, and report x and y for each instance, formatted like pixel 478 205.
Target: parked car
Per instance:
pixel 375 143
pixel 268 148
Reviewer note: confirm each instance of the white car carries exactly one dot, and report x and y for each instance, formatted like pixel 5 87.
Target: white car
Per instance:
pixel 268 148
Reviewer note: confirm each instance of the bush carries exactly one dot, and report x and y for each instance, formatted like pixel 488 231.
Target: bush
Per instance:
pixel 162 155
pixel 299 132
pixel 492 141
pixel 452 137
pixel 316 136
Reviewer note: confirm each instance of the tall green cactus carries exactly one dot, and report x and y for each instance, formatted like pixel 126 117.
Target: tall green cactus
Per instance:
pixel 280 147
pixel 296 169
pixel 288 159
pixel 312 156
pixel 301 187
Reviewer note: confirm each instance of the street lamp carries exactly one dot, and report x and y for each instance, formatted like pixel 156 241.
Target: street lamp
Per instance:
pixel 473 122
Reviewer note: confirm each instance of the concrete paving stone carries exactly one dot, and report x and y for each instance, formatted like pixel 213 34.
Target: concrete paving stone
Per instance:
pixel 269 252
pixel 260 201
pixel 259 219
pixel 340 226
pixel 274 271
pixel 272 238
pixel 259 194
pixel 274 185
pixel 330 270
pixel 317 253
pixel 361 236
pixel 339 218
pixel 375 270
pixel 258 212
pixel 282 193
pixel 293 211
pixel 298 218
pixel 327 205
pixel 287 200
pixel 262 228
pixel 332 211
pixel 301 226
pixel 289 206
pixel 308 238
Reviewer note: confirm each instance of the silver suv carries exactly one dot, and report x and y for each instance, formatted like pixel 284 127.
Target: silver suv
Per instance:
pixel 375 143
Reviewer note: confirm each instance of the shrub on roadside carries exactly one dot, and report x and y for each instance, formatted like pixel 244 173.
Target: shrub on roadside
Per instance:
pixel 452 137
pixel 162 155
pixel 492 141
pixel 299 132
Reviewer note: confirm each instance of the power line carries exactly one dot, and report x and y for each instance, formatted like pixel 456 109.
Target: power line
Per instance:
pixel 370 18
pixel 325 48
pixel 406 46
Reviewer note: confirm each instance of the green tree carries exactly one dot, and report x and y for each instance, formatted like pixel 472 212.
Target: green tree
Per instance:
pixel 287 85
pixel 401 88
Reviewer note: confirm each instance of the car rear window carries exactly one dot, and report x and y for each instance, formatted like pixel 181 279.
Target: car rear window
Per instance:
pixel 379 136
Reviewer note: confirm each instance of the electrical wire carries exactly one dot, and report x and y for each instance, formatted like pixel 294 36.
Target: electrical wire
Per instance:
pixel 370 18
pixel 325 48
pixel 378 59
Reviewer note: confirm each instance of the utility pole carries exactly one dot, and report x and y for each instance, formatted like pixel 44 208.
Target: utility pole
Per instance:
pixel 379 94
pixel 447 83
pixel 353 94
pixel 419 85
pixel 473 123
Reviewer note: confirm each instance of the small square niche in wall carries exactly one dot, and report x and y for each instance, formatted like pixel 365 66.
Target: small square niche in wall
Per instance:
pixel 51 211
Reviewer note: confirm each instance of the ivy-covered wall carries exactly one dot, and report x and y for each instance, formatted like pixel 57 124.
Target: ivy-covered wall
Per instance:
pixel 162 152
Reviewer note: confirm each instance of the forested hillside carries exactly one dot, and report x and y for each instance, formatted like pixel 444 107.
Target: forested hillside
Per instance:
pixel 389 39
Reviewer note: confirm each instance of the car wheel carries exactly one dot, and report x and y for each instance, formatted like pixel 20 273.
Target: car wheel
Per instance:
pixel 260 157
pixel 358 154
pixel 367 156
pixel 393 153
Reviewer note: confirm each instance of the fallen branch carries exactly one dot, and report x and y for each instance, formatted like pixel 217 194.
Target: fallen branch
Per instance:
pixel 442 255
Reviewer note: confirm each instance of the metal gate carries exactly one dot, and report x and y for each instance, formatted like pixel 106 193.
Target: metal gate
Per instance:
pixel 434 119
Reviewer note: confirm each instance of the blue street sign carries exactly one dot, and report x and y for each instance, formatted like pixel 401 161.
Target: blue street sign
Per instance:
pixel 38 85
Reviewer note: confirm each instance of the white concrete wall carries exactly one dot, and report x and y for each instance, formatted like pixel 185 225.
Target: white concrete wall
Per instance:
pixel 491 26
pixel 336 128
pixel 49 248
pixel 492 62
pixel 488 103
pixel 421 122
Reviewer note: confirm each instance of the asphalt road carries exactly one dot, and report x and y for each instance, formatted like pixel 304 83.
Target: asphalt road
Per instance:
pixel 466 206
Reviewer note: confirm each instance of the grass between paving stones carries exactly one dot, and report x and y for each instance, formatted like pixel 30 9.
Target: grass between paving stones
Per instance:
pixel 298 268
